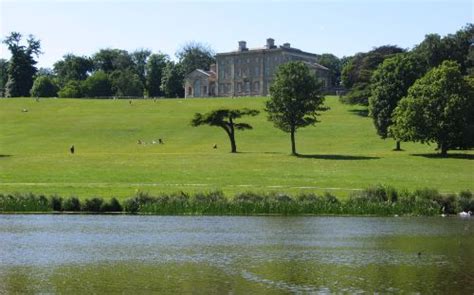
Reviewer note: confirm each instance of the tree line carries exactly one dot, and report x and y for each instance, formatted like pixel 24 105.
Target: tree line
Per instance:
pixel 109 72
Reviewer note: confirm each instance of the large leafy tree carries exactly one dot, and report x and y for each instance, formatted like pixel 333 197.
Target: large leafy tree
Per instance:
pixel 225 118
pixel 154 68
pixel 72 67
pixel 44 86
pixel 357 72
pixel 194 55
pixel 139 58
pixel 126 83
pixel 172 80
pixel 3 75
pixel 439 108
pixel 295 99
pixel 333 63
pixel 390 83
pixel 434 49
pixel 97 85
pixel 72 89
pixel 21 67
pixel 109 60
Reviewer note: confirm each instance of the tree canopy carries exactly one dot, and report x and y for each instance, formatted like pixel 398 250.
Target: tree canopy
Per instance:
pixel 172 80
pixel 98 85
pixel 225 118
pixel 72 67
pixel 21 67
pixel 390 83
pixel 154 68
pixel 439 108
pixel 357 72
pixel 295 99
pixel 44 86
pixel 194 55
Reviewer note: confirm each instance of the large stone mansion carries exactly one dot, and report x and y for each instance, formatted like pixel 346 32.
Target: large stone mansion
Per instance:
pixel 248 72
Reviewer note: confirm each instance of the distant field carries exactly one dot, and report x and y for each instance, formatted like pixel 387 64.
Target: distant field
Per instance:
pixel 342 153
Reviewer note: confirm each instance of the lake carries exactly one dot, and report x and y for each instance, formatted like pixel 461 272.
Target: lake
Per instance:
pixel 240 255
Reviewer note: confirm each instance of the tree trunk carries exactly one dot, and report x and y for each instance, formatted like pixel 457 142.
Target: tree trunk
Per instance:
pixel 444 149
pixel 398 148
pixel 233 146
pixel 293 144
pixel 232 143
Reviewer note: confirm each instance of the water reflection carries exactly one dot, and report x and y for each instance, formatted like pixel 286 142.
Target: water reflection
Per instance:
pixel 95 254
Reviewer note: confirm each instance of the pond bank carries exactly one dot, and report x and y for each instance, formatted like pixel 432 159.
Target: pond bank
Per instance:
pixel 378 200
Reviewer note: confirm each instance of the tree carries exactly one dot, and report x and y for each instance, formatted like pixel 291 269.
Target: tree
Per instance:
pixel 194 55
pixel 44 86
pixel 72 67
pixel 109 60
pixel 21 67
pixel 126 83
pixel 172 80
pixel 457 47
pixel 224 118
pixel 98 85
pixel 72 89
pixel 333 63
pixel 139 58
pixel 295 99
pixel 356 74
pixel 390 83
pixel 3 76
pixel 439 108
pixel 154 68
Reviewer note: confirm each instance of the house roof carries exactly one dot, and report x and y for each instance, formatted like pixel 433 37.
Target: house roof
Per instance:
pixel 316 66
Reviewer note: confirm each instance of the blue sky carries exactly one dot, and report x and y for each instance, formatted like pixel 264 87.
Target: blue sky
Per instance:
pixel 340 27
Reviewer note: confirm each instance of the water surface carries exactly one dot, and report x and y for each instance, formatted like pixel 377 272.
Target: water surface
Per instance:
pixel 241 255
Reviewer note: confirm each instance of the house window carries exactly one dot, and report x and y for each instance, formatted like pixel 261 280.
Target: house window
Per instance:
pixel 256 86
pixel 204 90
pixel 247 86
pixel 257 71
pixel 239 87
pixel 190 91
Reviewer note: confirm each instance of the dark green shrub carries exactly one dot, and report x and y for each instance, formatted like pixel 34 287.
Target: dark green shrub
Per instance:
pixel 113 205
pixel 131 205
pixel 378 193
pixel 72 204
pixel 92 205
pixel 466 201
pixel 55 203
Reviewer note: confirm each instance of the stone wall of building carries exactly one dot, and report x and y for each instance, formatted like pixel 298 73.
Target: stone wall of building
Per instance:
pixel 250 72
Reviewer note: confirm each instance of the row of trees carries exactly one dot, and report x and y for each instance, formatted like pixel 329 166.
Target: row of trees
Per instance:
pixel 438 107
pixel 109 72
pixel 426 94
pixel 358 71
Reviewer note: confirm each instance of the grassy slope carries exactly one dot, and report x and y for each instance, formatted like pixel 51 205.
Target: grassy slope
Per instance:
pixel 342 151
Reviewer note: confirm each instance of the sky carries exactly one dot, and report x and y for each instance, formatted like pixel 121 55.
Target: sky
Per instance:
pixel 343 28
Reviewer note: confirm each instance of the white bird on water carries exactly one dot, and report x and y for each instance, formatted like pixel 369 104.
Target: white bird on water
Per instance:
pixel 465 214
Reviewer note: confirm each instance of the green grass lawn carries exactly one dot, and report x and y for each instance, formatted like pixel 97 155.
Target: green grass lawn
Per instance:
pixel 342 153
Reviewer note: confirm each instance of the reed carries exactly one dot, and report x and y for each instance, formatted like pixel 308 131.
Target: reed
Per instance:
pixel 377 200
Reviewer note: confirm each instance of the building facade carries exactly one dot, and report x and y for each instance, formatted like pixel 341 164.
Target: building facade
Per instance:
pixel 249 72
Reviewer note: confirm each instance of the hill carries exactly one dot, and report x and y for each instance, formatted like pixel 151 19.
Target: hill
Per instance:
pixel 340 154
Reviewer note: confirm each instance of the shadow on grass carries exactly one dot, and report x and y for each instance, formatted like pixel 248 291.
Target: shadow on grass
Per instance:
pixel 448 156
pixel 336 157
pixel 5 156
pixel 362 113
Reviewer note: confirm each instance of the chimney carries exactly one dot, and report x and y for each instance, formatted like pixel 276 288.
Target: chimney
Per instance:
pixel 242 46
pixel 270 43
pixel 286 45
